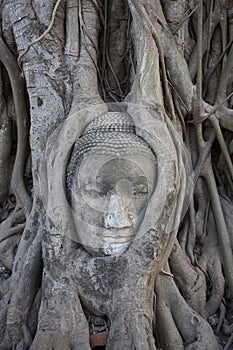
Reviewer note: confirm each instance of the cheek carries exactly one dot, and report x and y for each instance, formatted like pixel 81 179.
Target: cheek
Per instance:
pixel 95 202
pixel 88 214
pixel 136 207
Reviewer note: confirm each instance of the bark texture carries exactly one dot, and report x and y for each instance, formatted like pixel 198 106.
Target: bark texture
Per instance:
pixel 168 65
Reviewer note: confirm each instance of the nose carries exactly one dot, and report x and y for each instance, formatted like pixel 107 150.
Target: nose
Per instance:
pixel 117 215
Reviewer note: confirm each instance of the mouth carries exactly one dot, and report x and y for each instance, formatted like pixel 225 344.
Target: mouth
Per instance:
pixel 105 242
pixel 116 235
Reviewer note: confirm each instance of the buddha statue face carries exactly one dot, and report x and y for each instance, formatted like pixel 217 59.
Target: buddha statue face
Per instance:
pixel 110 190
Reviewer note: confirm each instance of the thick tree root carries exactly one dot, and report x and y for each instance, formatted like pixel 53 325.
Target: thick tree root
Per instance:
pixel 131 330
pixel 5 157
pixel 223 235
pixel 61 322
pixel 15 218
pixel 18 87
pixel 24 283
pixel 178 325
pixel 7 233
pixel 53 340
pixel 191 280
pixel 10 234
pixel 7 251
pixel 210 263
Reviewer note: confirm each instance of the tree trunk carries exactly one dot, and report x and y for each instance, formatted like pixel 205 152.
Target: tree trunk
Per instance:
pixel 116 121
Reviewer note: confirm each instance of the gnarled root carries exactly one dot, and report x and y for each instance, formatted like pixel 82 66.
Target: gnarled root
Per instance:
pixel 191 280
pixel 131 330
pixel 23 293
pixel 227 207
pixel 210 263
pixel 7 251
pixel 178 326
pixel 61 323
pixel 10 234
pixel 18 86
pixel 131 322
pixel 5 153
pixel 15 218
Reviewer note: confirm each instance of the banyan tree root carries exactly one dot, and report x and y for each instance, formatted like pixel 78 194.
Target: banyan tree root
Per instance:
pixel 21 301
pixel 10 234
pixel 116 48
pixel 24 281
pixel 178 326
pixel 7 250
pixel 15 218
pixel 18 86
pixel 190 279
pixel 227 207
pixel 132 330
pixel 61 304
pixel 210 263
pixel 5 160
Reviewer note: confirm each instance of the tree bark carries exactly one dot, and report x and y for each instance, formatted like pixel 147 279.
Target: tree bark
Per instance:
pixel 168 66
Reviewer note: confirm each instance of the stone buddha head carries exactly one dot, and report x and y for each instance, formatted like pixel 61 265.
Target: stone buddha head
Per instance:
pixel 110 177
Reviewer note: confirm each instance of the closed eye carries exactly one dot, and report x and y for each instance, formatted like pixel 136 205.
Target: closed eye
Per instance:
pixel 92 191
pixel 140 190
